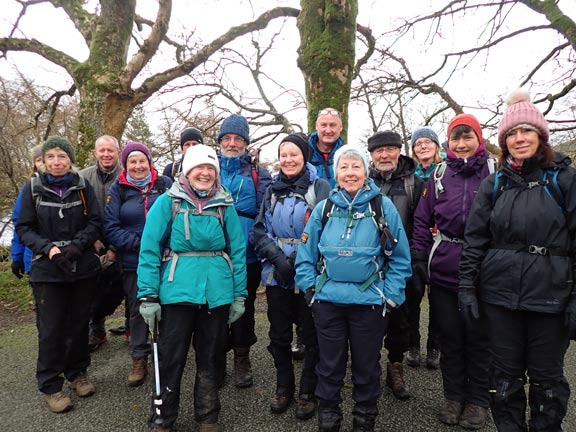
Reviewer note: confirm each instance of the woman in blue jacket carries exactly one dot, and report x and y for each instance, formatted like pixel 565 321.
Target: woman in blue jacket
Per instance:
pixel 362 273
pixel 192 280
pixel 127 204
pixel 276 234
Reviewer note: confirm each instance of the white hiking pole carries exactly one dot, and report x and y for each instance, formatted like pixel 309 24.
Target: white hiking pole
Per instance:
pixel 157 398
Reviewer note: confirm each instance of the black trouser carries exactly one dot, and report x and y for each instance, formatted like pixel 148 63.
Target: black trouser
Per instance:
pixel 242 334
pixel 139 344
pixel 207 329
pixel 465 348
pixel 108 296
pixel 360 329
pixel 398 334
pixel 62 313
pixel 533 343
pixel 285 307
pixel 414 296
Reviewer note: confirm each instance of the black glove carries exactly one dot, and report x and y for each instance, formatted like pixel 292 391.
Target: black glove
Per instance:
pixel 72 252
pixel 284 271
pixel 570 316
pixel 309 295
pixel 18 269
pixel 468 303
pixel 63 263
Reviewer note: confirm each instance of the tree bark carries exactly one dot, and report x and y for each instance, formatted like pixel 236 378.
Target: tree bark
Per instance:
pixel 326 55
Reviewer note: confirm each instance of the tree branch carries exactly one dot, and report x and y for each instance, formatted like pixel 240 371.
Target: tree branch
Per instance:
pixel 84 21
pixel 34 46
pixel 156 82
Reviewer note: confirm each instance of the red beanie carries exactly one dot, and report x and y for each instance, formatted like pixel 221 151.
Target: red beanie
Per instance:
pixel 468 120
pixel 521 112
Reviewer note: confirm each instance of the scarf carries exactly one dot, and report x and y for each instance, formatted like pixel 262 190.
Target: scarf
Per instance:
pixel 141 184
pixel 59 184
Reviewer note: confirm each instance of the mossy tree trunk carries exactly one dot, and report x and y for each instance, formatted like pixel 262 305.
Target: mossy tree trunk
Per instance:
pixel 326 54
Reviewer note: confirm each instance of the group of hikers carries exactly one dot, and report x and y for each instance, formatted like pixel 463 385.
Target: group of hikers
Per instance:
pixel 346 240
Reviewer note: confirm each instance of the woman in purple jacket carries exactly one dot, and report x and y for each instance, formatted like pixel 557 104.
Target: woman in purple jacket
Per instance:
pixel 446 203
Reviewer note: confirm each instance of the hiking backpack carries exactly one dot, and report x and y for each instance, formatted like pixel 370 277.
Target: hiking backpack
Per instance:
pixel 440 170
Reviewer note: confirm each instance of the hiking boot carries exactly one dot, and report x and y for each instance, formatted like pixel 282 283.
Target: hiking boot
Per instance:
pixel 82 386
pixel 433 359
pixel 306 407
pixel 395 380
pixel 120 330
pixel 364 416
pixel 281 402
pixel 413 357
pixel 242 368
pixel 138 372
pixel 96 341
pixel 450 412
pixel 208 427
pixel 298 350
pixel 58 402
pixel 473 417
pixel 329 418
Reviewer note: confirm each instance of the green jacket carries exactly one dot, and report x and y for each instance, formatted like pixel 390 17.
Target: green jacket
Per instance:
pixel 191 275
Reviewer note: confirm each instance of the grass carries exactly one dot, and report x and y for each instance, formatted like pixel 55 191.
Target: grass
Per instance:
pixel 15 294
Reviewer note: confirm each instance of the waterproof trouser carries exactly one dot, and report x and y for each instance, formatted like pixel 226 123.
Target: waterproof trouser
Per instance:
pixel 62 313
pixel 359 329
pixel 532 344
pixel 414 296
pixel 285 308
pixel 207 330
pixel 139 344
pixel 465 351
pixel 242 334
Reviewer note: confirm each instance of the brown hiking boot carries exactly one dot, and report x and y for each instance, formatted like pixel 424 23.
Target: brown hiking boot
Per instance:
pixel 209 427
pixel 395 380
pixel 450 412
pixel 138 372
pixel 96 341
pixel 306 407
pixel 82 386
pixel 473 417
pixel 58 402
pixel 242 368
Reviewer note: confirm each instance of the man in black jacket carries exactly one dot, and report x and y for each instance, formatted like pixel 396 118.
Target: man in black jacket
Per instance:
pixel 394 173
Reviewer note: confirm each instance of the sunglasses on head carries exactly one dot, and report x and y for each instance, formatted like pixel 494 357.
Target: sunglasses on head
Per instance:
pixel 329 112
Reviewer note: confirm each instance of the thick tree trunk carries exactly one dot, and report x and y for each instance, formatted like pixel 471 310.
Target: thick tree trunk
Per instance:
pixel 326 55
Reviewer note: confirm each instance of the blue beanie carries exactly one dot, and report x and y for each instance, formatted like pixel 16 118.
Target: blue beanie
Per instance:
pixel 235 124
pixel 424 132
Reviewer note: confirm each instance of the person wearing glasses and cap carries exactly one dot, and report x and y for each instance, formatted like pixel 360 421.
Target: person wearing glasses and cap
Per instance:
pixel 325 141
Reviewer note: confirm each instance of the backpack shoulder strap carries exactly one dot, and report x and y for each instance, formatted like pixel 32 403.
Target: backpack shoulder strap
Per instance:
pixel 438 176
pixel 555 192
pixel 497 189
pixel 409 187
pixel 254 173
pixel 326 209
pixel 310 195
pixel 491 162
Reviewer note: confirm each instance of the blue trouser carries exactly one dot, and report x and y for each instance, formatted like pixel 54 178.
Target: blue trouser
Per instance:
pixel 532 343
pixel 207 330
pixel 357 328
pixel 62 312
pixel 285 307
pixel 465 348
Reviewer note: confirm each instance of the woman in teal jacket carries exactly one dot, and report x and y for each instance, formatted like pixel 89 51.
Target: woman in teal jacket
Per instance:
pixel 362 275
pixel 192 280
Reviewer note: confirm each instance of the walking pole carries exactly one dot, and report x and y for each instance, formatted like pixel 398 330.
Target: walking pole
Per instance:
pixel 157 398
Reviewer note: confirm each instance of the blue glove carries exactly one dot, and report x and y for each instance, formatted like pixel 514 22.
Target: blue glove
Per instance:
pixel 150 311
pixel 236 310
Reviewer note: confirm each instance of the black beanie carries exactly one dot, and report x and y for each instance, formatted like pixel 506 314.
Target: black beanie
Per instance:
pixel 384 139
pixel 191 134
pixel 300 140
pixel 61 143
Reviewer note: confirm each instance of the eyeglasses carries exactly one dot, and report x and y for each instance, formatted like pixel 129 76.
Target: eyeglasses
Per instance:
pixel 227 139
pixel 329 112
pixel 387 149
pixel 422 142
